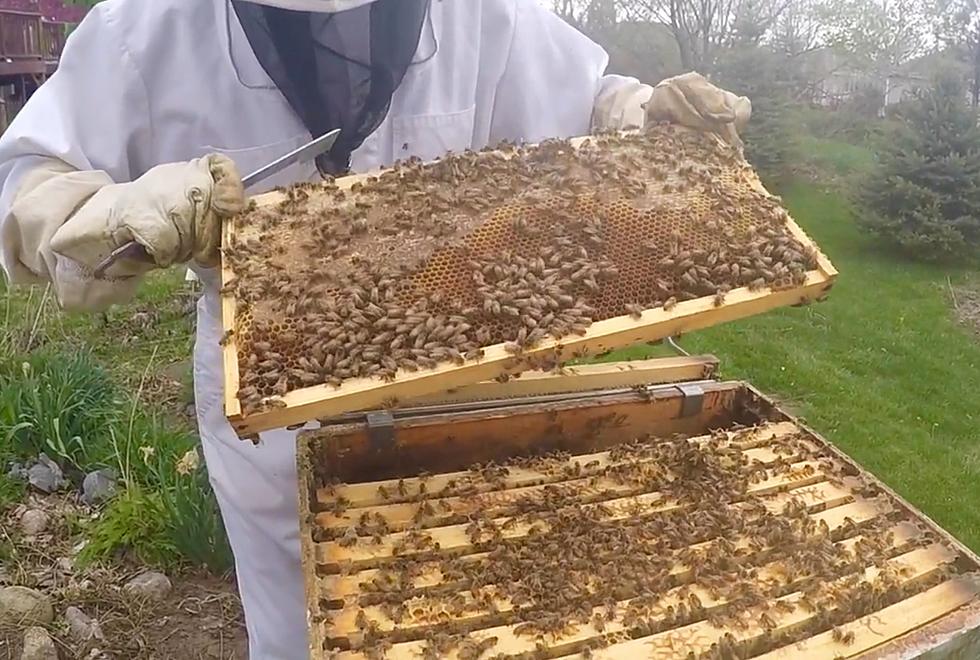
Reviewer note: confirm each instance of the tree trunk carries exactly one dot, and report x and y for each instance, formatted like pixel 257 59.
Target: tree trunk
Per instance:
pixel 682 36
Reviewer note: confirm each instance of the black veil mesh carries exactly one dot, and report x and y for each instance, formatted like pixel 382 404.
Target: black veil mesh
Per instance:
pixel 337 70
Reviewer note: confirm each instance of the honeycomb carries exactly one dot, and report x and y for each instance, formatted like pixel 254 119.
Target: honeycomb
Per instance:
pixel 426 263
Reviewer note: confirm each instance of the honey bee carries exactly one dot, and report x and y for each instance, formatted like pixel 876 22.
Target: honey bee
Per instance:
pixel 635 311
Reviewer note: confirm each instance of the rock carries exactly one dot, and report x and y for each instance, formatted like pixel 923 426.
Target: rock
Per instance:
pixel 38 645
pixel 43 459
pixel 34 522
pixel 150 585
pixel 81 626
pixel 23 606
pixel 98 486
pixel 17 471
pixel 42 478
pixel 45 475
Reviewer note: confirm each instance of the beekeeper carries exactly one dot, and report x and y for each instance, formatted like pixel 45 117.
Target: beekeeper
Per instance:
pixel 158 106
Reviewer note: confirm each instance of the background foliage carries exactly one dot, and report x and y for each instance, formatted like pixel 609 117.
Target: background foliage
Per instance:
pixel 924 199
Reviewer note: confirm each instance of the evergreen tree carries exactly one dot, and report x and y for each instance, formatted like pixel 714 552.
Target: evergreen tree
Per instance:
pixel 769 81
pixel 925 197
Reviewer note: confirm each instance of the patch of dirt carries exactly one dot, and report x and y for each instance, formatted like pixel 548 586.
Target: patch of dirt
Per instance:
pixel 966 306
pixel 200 618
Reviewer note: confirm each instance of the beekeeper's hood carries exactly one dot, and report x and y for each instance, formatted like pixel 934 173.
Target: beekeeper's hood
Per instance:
pixel 337 62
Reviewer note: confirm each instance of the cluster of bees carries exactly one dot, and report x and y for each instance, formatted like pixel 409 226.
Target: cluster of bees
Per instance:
pixel 585 562
pixel 430 263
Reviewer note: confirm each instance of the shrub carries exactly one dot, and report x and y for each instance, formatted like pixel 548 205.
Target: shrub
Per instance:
pixel 166 516
pixel 867 102
pixel 145 448
pixel 169 463
pixel 924 199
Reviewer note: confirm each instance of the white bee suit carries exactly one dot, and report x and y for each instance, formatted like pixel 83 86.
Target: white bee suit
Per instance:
pixel 147 83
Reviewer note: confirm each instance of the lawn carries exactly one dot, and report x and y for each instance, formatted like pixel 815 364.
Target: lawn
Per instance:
pixel 881 368
pixel 835 155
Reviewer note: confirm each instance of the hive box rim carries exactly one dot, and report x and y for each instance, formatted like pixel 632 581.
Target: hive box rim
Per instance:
pixel 953 634
pixel 324 401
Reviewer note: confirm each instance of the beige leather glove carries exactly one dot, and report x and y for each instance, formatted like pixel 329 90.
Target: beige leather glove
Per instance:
pixel 619 105
pixel 690 100
pixel 173 210
pixel 63 222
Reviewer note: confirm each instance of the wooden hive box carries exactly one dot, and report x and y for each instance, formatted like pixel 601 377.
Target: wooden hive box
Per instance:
pixel 619 239
pixel 729 530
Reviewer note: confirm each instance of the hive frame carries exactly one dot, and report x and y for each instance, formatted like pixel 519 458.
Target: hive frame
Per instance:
pixel 325 401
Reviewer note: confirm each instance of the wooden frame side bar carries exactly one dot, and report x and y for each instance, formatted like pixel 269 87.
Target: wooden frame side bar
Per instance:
pixel 229 353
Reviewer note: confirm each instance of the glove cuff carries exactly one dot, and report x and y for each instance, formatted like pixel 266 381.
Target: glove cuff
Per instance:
pixel 78 290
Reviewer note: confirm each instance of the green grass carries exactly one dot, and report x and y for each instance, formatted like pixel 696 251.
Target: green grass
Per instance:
pixel 125 338
pixel 106 390
pixel 133 524
pixel 837 157
pixel 57 402
pixel 881 368
pixel 11 491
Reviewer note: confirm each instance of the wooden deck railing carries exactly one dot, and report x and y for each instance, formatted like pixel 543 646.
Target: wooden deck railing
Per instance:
pixel 53 36
pixel 20 35
pixel 27 41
